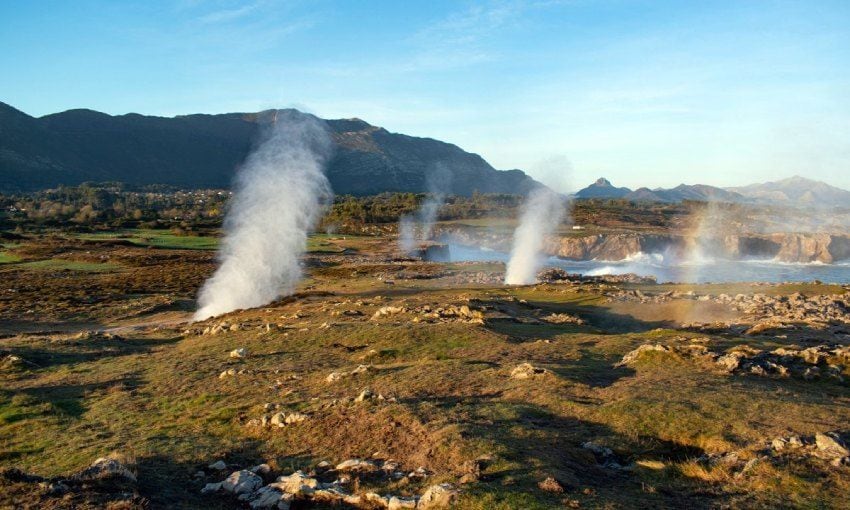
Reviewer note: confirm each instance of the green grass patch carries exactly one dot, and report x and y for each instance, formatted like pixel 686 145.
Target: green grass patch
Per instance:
pixel 8 258
pixel 157 239
pixel 70 265
pixel 320 243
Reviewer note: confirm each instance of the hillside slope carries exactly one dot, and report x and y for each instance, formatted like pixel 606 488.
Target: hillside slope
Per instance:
pixel 204 151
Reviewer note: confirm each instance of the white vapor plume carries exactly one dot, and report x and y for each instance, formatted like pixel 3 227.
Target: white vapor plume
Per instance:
pixel 417 228
pixel 542 212
pixel 279 195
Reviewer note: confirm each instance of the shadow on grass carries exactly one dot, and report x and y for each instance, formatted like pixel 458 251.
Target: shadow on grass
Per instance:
pixel 84 350
pixel 168 483
pixel 592 368
pixel 70 399
pixel 534 443
pixel 523 322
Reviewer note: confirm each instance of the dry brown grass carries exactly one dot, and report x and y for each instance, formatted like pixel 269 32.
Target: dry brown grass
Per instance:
pixel 154 392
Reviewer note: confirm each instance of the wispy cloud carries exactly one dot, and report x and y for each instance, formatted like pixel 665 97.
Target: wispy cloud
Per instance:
pixel 226 15
pixel 463 37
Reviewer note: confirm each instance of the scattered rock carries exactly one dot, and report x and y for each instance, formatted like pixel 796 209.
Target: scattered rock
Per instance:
pixel 526 371
pixel 241 352
pixel 551 485
pixel 297 483
pixel 388 310
pixel 604 455
pixel 104 468
pixel 365 395
pixel 242 482
pixel 218 465
pixel 283 419
pixel 211 488
pixel 357 465
pixel 633 356
pixel 438 496
pixel 808 364
pixel 831 445
pixel 10 361
pixel 360 369
pixel 563 318
pixel 397 503
pixel 270 497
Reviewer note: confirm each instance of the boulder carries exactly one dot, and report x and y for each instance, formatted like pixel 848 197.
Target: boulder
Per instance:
pixel 295 418
pixel 278 420
pixel 526 371
pixel 297 483
pixel 551 485
pixel 106 467
pixel 270 497
pixel 365 395
pixel 211 488
pixel 830 445
pixel 633 356
pixel 438 496
pixel 730 362
pixel 242 482
pixel 397 503
pixel 218 465
pixel 261 469
pixel 356 465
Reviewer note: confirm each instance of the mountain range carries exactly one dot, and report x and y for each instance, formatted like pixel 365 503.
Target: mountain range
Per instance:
pixel 794 191
pixel 204 151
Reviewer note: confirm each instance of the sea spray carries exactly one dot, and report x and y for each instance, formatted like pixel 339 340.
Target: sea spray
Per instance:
pixel 279 195
pixel 542 212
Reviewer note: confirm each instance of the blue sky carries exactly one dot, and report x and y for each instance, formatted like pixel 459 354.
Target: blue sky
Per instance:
pixel 648 93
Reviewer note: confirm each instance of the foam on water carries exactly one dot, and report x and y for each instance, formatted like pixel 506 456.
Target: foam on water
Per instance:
pixel 668 268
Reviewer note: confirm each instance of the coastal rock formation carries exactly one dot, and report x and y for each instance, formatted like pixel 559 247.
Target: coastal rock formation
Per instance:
pixel 783 247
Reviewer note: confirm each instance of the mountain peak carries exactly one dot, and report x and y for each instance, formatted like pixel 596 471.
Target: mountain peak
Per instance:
pixel 602 188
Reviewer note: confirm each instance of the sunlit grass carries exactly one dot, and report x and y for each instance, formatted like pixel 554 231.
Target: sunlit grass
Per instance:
pixel 69 265
pixel 158 239
pixel 8 258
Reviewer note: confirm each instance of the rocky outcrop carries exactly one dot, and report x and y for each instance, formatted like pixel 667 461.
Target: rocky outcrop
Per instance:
pixel 820 361
pixel 804 247
pixel 333 486
pixel 783 247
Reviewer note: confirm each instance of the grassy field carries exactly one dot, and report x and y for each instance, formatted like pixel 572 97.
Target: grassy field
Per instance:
pixel 157 239
pixel 151 388
pixel 8 258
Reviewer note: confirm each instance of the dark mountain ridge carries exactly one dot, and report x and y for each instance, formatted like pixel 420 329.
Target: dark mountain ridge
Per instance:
pixel 204 151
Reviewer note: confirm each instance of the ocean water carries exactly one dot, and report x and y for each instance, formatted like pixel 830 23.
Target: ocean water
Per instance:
pixel 667 269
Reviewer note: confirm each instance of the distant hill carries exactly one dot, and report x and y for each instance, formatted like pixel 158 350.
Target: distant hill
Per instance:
pixel 602 188
pixel 796 191
pixel 699 192
pixel 204 151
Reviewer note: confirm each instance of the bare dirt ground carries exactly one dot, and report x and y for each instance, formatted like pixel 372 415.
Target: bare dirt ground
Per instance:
pixel 559 395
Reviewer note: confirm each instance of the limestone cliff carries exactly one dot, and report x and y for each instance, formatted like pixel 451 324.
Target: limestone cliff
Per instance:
pixel 784 247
